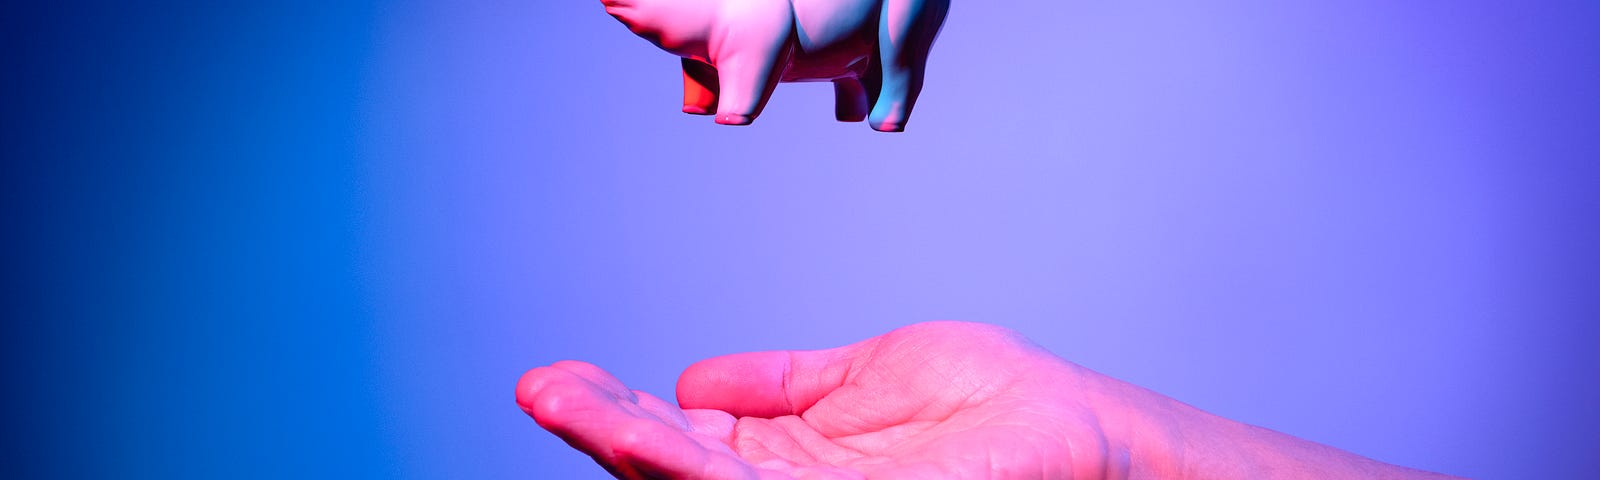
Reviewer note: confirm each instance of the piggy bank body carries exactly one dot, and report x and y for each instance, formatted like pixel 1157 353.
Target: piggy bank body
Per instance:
pixel 736 51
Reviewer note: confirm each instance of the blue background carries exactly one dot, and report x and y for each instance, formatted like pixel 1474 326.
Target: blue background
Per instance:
pixel 313 239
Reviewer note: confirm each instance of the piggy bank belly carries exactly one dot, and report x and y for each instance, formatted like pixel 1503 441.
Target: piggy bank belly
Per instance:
pixel 834 38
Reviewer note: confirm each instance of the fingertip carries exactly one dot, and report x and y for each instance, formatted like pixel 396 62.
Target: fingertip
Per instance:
pixel 744 384
pixel 692 385
pixel 530 384
pixel 558 403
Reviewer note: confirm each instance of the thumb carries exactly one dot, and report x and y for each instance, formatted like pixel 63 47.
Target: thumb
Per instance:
pixel 768 384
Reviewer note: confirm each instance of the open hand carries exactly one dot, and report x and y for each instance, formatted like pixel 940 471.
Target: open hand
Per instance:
pixel 933 400
pixel 929 401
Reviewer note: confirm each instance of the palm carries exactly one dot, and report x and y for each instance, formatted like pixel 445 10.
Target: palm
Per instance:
pixel 944 400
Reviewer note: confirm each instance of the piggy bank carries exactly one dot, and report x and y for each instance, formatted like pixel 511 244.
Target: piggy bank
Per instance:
pixel 735 51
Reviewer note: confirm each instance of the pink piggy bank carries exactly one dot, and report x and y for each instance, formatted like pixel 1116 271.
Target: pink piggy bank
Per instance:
pixel 735 51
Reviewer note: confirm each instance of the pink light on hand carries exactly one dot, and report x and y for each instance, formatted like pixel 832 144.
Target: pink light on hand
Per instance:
pixel 929 401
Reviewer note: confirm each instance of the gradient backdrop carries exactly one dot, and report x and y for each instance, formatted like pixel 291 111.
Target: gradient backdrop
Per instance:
pixel 322 239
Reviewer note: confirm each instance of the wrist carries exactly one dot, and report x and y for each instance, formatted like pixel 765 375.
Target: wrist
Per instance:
pixel 1162 438
pixel 1146 433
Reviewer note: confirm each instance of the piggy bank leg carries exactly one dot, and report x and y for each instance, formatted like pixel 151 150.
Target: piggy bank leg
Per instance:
pixel 747 82
pixel 849 100
pixel 699 87
pixel 748 70
pixel 905 35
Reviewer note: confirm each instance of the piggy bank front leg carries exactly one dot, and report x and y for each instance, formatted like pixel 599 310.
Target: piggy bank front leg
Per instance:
pixel 751 60
pixel 747 81
pixel 699 87
pixel 906 31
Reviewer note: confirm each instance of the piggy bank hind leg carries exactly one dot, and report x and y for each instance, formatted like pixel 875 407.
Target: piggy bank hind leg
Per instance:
pixel 850 103
pixel 699 87
pixel 906 30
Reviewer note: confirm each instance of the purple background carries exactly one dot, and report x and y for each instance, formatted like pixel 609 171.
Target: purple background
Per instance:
pixel 320 240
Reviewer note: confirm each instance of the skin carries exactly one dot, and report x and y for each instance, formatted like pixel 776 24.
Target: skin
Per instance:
pixel 932 400
pixel 736 51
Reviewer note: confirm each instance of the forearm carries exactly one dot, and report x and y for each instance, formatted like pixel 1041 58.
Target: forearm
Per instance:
pixel 1166 439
